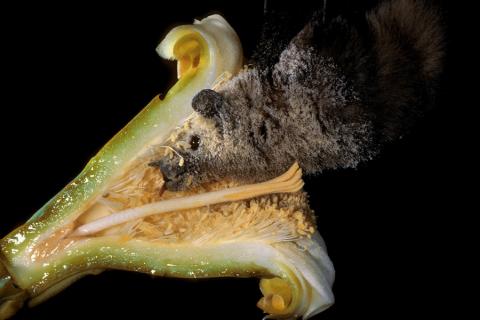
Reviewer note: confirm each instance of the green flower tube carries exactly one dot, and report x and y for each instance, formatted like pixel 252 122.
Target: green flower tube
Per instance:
pixel 265 230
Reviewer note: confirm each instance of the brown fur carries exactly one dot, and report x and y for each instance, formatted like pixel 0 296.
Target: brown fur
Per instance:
pixel 333 96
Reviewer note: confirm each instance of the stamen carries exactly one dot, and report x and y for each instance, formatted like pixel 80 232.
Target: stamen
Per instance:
pixel 290 181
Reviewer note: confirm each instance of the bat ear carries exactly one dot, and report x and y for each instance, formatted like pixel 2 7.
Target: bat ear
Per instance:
pixel 208 103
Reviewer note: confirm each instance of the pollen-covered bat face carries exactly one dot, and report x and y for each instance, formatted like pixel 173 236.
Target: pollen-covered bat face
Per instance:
pixel 204 149
pixel 231 130
pixel 192 145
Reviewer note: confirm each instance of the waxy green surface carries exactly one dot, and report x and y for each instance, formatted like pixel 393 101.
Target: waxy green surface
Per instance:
pixel 156 119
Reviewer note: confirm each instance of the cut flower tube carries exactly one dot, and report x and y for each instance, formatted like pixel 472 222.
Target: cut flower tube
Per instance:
pixel 116 214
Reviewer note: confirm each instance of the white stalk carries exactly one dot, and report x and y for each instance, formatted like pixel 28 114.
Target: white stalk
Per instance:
pixel 290 181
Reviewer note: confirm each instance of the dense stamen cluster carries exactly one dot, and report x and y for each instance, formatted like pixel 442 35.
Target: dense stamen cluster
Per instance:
pixel 273 218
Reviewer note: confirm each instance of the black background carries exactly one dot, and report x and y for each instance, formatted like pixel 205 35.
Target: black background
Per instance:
pixel 73 75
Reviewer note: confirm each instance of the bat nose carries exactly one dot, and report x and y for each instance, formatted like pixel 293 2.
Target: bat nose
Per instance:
pixel 171 168
pixel 173 171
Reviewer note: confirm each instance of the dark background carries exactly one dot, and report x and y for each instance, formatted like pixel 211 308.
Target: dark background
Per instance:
pixel 73 75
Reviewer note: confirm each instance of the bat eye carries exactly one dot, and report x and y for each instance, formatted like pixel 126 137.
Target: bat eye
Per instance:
pixel 194 142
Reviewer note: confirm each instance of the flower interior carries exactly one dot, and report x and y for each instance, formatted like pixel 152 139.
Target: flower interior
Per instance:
pixel 117 214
